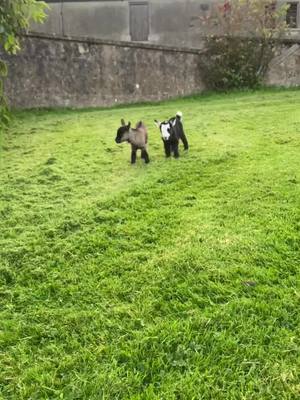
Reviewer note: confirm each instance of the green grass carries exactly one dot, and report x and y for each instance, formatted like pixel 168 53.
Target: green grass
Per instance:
pixel 173 280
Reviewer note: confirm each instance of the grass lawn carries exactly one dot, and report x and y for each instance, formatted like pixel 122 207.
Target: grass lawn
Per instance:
pixel 173 280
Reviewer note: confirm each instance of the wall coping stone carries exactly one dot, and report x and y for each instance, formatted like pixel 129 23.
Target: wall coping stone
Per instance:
pixel 138 45
pixel 88 40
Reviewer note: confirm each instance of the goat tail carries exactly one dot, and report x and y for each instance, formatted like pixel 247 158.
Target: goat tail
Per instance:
pixel 179 115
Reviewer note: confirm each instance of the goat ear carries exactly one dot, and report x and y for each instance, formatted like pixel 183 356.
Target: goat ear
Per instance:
pixel 123 122
pixel 157 123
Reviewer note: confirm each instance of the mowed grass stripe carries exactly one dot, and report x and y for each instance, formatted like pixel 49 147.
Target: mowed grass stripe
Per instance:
pixel 177 280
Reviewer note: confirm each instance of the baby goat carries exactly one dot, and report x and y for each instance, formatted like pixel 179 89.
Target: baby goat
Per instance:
pixel 171 131
pixel 137 137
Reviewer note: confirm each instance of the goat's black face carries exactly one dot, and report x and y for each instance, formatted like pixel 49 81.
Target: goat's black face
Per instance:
pixel 121 133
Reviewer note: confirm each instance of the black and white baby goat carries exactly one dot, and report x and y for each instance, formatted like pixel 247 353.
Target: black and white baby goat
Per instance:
pixel 171 132
pixel 137 137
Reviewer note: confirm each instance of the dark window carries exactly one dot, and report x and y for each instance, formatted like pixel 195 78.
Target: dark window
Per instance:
pixel 204 7
pixel 292 15
pixel 139 21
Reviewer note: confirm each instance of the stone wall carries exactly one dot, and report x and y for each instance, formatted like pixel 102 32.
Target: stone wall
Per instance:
pixel 58 72
pixel 70 72
pixel 285 67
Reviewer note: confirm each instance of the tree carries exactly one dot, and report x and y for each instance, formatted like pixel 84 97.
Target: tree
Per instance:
pixel 15 18
pixel 243 36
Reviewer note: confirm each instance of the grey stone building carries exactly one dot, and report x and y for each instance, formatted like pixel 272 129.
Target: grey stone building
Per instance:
pixel 168 22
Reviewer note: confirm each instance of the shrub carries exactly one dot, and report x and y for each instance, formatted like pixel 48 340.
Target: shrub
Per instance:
pixel 243 36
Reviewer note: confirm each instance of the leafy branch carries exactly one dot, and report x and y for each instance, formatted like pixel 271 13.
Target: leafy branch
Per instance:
pixel 15 18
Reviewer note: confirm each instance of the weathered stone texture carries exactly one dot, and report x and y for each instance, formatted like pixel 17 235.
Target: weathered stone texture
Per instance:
pixel 52 72
pixel 62 72
pixel 285 67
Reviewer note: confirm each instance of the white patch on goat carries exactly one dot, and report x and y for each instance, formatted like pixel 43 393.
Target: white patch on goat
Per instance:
pixel 164 129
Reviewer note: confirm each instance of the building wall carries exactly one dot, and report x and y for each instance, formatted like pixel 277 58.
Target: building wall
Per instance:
pixel 171 22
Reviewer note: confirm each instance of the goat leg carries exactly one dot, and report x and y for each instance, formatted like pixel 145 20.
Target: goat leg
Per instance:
pixel 133 155
pixel 175 150
pixel 184 140
pixel 167 146
pixel 145 156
